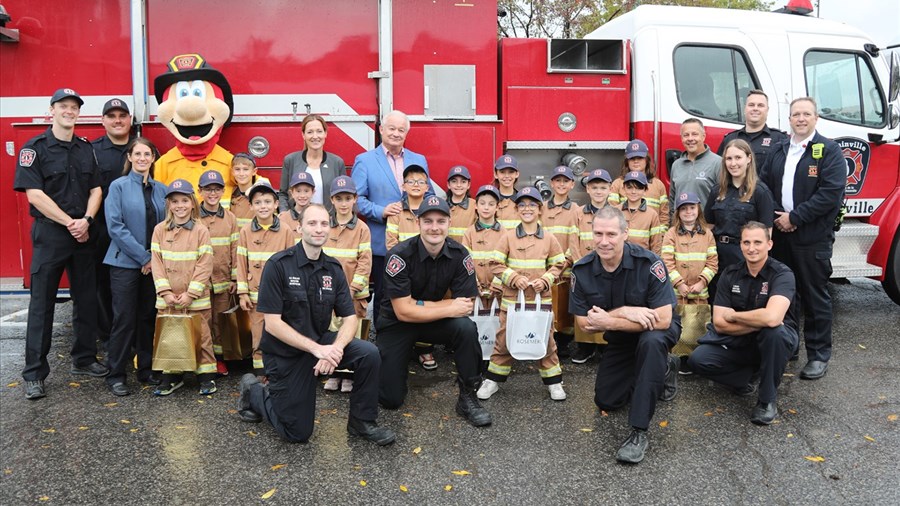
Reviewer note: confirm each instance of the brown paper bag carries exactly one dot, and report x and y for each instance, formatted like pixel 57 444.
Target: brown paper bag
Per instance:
pixel 694 318
pixel 231 336
pixel 176 342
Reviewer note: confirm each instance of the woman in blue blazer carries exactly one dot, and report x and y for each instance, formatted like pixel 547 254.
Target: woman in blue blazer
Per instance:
pixel 136 203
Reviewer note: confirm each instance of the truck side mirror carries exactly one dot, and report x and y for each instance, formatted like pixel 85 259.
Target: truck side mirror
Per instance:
pixel 671 156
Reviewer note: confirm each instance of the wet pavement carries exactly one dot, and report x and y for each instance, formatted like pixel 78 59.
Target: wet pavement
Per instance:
pixel 835 441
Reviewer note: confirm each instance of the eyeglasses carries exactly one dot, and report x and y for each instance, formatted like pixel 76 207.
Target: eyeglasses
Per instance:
pixel 415 183
pixel 527 205
pixel 215 189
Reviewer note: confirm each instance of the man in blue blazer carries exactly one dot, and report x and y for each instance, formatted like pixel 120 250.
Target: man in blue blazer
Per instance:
pixel 378 175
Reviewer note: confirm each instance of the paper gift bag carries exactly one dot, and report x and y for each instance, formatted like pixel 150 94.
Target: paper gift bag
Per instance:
pixel 176 342
pixel 694 318
pixel 528 330
pixel 235 345
pixel 488 323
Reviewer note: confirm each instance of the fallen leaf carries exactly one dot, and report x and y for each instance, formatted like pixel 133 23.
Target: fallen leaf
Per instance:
pixel 357 467
pixel 861 346
pixel 362 483
pixel 13 384
pixel 815 459
pixel 250 433
pixel 83 427
pixel 882 397
pixel 48 431
pixel 417 450
pixel 869 438
pixel 74 384
pixel 708 413
pixel 125 421
pixel 45 446
pixel 892 418
pixel 448 487
pixel 181 427
pixel 408 415
pixel 43 498
pixel 603 413
pixel 792 411
pixel 111 404
pixel 200 401
pixel 403 488
pixel 133 430
pixel 7 471
pixel 585 429
pixel 268 494
pixel 536 410
pixel 445 418
pixel 232 411
pixel 462 473
pixel 328 411
pixel 664 424
pixel 790 435
pixel 788 374
pixel 278 466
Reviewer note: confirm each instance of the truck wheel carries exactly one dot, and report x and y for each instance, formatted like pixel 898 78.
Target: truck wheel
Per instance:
pixel 891 281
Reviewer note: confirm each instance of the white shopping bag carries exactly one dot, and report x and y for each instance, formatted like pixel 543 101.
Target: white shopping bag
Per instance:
pixel 528 330
pixel 487 324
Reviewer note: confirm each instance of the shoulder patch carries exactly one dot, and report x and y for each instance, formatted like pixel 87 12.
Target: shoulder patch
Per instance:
pixel 394 266
pixel 470 264
pixel 27 157
pixel 658 270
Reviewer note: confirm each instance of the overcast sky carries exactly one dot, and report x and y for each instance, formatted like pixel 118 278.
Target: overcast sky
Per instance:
pixel 878 18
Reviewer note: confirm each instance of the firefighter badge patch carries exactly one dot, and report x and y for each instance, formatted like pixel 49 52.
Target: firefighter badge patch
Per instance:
pixel 658 270
pixel 394 266
pixel 26 157
pixel 470 264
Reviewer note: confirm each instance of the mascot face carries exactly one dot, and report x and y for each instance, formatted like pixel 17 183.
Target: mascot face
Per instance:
pixel 193 111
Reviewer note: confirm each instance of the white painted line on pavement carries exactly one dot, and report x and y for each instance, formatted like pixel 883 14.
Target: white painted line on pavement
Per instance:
pixel 11 316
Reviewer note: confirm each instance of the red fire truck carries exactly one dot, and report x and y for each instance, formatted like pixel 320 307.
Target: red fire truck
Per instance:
pixel 470 97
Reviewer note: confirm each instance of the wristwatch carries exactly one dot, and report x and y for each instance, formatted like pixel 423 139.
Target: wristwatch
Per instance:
pixel 420 302
pixel 89 219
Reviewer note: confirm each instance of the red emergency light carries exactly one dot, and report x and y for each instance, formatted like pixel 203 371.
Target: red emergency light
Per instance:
pixel 799 7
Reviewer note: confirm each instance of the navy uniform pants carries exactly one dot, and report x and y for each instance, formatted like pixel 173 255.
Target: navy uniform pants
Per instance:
pixel 134 321
pixel 633 368
pixel 812 268
pixel 396 341
pixel 288 402
pixel 767 352
pixel 55 251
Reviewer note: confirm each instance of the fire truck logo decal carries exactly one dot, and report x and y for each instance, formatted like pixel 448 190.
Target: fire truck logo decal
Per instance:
pixel 326 283
pixel 856 155
pixel 766 142
pixel 658 270
pixel 470 264
pixel 26 157
pixel 395 265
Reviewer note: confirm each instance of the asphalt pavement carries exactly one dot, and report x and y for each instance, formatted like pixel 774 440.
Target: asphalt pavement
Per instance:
pixel 835 441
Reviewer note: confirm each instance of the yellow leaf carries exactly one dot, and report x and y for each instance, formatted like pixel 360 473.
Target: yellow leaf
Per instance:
pixel 448 487
pixel 664 424
pixel 7 471
pixel 708 413
pixel 892 418
pixel 83 427
pixel 43 498
pixel 48 431
pixel 362 483
pixel 278 466
pixel 788 374
pixel 133 430
pixel 408 415
pixel 790 435
pixel 357 467
pixel 815 459
pixel 268 494
pixel 250 433
pixel 74 384
pixel 585 429
pixel 13 384
pixel 199 401
pixel 181 427
pixel 861 346
pixel 462 473
pixel 111 404
pixel 232 411
pixel 403 488
pixel 869 438
pixel 417 450
pixel 792 411
pixel 125 421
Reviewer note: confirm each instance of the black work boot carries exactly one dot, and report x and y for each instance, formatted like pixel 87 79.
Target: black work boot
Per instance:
pixel 370 431
pixel 468 406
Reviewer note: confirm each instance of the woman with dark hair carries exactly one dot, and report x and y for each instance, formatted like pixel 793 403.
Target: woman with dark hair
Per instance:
pixel 320 164
pixel 741 198
pixel 136 203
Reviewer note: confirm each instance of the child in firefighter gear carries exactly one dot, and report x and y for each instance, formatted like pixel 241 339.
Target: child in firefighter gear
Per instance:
pixel 302 188
pixel 350 243
pixel 405 225
pixel 638 159
pixel 527 258
pixel 597 183
pixel 462 208
pixel 182 263
pixel 223 234
pixel 481 240
pixel 506 173
pixel 689 251
pixel 561 219
pixel 644 229
pixel 243 171
pixel 258 240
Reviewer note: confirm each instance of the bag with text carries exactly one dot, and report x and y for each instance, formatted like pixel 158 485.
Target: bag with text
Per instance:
pixel 528 329
pixel 488 323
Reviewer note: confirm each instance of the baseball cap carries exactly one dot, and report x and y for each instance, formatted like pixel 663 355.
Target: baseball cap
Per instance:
pixel 115 103
pixel 598 175
pixel 66 93
pixel 489 189
pixel 636 149
pixel 686 198
pixel 634 175
pixel 302 178
pixel 563 170
pixel 507 162
pixel 458 170
pixel 342 184
pixel 529 192
pixel 180 186
pixel 414 168
pixel 245 156
pixel 261 187
pixel 211 177
pixel 433 203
